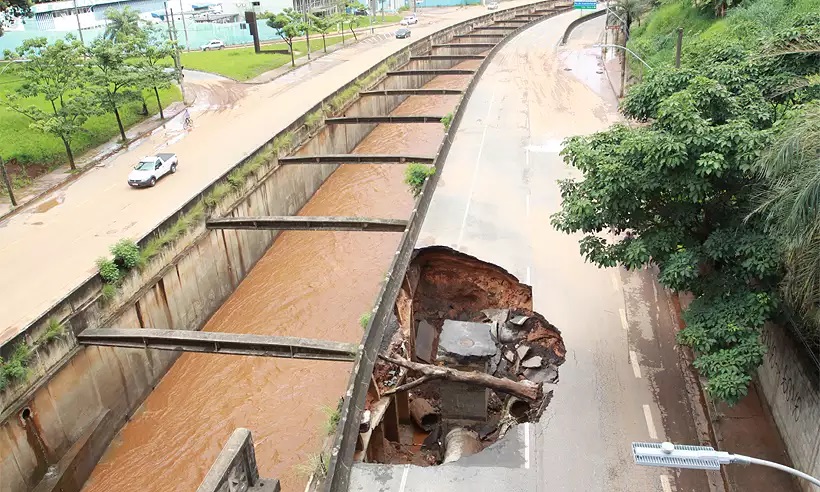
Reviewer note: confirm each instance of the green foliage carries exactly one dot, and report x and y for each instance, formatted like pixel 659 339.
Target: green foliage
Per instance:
pixel 55 72
pixel 446 120
pixel 289 24
pixel 415 175
pixel 16 367
pixel 113 79
pixel 54 330
pixel 122 24
pixel 108 292
pixel 364 319
pixel 126 254
pixel 109 271
pixel 315 119
pixel 9 9
pixel 677 191
pixel 333 414
pixel 404 8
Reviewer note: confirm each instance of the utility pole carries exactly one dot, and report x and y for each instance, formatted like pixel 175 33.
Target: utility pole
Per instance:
pixel 7 182
pixel 307 32
pixel 184 27
pixel 678 47
pixel 79 27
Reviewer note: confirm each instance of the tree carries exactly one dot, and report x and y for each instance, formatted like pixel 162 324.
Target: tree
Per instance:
pixel 112 79
pixel 56 73
pixel 629 11
pixel 349 16
pixel 10 9
pixel 152 48
pixel 289 24
pixel 323 25
pixel 675 193
pixel 122 24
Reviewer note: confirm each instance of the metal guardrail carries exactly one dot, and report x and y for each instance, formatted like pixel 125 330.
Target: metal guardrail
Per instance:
pixel 357 158
pixel 309 223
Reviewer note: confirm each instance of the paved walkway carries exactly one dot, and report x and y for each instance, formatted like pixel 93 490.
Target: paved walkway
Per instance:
pixel 48 249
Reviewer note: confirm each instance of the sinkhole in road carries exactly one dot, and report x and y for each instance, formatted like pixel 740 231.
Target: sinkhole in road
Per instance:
pixel 467 361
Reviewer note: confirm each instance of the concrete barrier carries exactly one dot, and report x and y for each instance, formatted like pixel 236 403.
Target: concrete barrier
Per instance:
pixel 235 468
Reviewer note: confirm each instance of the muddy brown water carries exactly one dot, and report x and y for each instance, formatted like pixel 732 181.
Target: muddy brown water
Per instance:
pixel 312 284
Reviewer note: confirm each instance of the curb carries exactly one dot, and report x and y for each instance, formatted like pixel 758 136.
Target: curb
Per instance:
pixel 91 165
pixel 695 388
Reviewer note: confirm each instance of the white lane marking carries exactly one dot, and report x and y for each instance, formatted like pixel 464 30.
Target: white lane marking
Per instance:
pixel 650 424
pixel 527 445
pixel 404 478
pixel 665 484
pixel 636 369
pixel 624 324
pixel 475 172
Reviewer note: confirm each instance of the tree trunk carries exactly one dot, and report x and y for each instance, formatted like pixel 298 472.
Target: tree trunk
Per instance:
pixel 324 44
pixel 144 107
pixel 526 390
pixel 69 154
pixel 356 38
pixel 292 59
pixel 159 104
pixel 119 122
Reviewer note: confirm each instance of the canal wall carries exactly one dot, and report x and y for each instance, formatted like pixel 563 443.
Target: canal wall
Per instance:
pixel 790 380
pixel 56 423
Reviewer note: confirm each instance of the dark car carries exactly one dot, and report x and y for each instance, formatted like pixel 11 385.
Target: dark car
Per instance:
pixel 402 33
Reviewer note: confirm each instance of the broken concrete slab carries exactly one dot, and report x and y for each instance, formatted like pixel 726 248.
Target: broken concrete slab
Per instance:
pixel 522 351
pixel 425 338
pixel 462 341
pixel 519 320
pixel 499 316
pixel 543 375
pixel 506 333
pixel 532 362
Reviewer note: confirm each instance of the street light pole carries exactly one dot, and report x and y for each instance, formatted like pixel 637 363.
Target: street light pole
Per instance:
pixel 623 64
pixel 666 454
pixel 79 27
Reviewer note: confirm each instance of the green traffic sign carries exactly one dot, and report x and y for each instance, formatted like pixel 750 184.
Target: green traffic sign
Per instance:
pixel 586 5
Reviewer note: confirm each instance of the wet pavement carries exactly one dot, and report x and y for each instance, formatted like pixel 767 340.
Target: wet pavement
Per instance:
pixel 45 255
pixel 621 381
pixel 294 290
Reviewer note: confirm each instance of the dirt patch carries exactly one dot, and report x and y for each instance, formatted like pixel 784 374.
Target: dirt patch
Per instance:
pixel 444 289
pixel 22 175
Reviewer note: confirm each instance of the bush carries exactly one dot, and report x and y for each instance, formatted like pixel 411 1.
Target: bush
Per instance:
pixel 109 291
pixel 364 319
pixel 126 254
pixel 109 271
pixel 414 177
pixel 448 118
pixel 404 8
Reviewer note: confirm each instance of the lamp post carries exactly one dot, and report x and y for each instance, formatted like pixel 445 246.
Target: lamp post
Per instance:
pixel 623 65
pixel 666 454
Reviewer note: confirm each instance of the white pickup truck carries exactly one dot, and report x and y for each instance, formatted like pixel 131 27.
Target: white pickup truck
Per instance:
pixel 151 168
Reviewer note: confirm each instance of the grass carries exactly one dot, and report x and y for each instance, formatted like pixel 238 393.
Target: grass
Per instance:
pixel 364 319
pixel 415 175
pixel 333 415
pixel 244 64
pixel 36 147
pixel 654 39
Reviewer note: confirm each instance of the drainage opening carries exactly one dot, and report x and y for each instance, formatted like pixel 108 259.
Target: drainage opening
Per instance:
pixel 470 360
pixel 25 413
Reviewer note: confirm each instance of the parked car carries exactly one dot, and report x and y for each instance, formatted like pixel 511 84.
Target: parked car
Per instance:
pixel 213 44
pixel 410 19
pixel 150 169
pixel 361 12
pixel 403 33
pixel 492 5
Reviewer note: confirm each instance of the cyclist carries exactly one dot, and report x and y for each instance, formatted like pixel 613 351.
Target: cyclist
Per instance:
pixel 187 122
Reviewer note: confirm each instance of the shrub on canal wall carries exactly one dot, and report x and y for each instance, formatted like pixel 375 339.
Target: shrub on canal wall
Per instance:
pixel 415 175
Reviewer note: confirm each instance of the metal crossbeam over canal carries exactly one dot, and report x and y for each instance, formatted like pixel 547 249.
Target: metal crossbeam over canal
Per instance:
pixel 465 45
pixel 220 343
pixel 355 159
pixel 412 92
pixel 308 223
pixel 433 71
pixel 447 57
pixel 383 119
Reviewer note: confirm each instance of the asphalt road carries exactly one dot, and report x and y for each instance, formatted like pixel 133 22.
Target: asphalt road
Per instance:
pixel 50 248
pixel 621 381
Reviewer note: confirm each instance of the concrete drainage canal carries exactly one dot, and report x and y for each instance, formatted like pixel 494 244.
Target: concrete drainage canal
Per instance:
pixel 466 361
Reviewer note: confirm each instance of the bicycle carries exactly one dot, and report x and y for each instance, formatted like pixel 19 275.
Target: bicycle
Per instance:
pixel 188 123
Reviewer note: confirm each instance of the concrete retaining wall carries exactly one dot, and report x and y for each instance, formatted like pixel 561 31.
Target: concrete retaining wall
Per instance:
pixel 71 388
pixel 235 468
pixel 790 381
